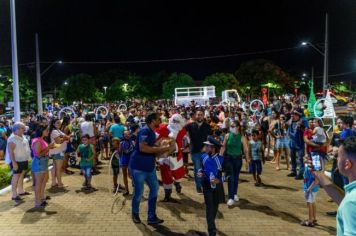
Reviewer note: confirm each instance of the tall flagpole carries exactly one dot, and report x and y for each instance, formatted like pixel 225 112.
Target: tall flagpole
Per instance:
pixel 15 71
pixel 38 79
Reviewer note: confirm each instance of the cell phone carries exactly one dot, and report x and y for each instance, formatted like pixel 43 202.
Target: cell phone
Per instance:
pixel 316 162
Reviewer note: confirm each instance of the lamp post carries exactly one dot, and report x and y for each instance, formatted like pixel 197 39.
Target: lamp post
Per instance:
pixel 39 74
pixel 325 54
pixel 105 87
pixel 15 71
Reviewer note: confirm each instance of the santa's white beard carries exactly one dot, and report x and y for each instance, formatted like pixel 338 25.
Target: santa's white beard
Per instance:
pixel 174 130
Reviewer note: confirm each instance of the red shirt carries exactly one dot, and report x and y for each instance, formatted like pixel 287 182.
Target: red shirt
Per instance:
pixel 309 134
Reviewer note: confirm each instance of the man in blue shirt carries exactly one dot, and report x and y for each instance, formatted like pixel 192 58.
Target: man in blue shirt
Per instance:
pixel 117 130
pixel 295 133
pixel 142 167
pixel 346 163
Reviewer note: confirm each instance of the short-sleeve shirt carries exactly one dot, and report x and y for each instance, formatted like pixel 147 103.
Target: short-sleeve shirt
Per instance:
pixel 256 147
pixel 140 160
pixel 346 214
pixel 55 134
pixel 117 130
pixel 346 133
pixel 85 154
pixel 198 135
pixel 309 135
pixel 308 180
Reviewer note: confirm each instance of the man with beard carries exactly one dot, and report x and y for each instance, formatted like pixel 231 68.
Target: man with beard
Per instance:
pixel 171 166
pixel 198 132
pixel 142 167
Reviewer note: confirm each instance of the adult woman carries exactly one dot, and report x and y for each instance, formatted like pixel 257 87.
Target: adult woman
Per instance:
pixel 264 122
pixel 57 153
pixel 40 149
pixel 103 139
pixel 272 123
pixel 282 141
pixel 234 145
pixel 65 128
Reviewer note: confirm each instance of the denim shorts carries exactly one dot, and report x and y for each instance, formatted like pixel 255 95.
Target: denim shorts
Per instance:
pixel 282 143
pixel 39 165
pixel 86 171
pixel 58 157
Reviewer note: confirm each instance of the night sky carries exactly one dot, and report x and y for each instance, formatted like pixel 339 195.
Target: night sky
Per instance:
pixel 113 30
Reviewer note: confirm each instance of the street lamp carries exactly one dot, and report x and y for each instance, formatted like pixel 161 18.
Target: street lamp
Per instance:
pixel 65 83
pixel 313 46
pixel 105 87
pixel 304 74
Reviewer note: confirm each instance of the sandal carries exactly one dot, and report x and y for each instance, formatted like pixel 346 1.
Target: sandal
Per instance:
pixel 16 198
pixel 307 223
pixel 24 194
pixel 54 185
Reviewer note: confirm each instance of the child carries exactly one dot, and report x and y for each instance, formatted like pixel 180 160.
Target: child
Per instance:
pixel 256 157
pixel 310 188
pixel 319 135
pixel 115 162
pixel 86 152
pixel 126 149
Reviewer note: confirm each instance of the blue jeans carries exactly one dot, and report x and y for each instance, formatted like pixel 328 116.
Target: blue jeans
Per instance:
pixel 233 182
pixel 139 178
pixel 196 158
pixel 86 170
pixel 296 156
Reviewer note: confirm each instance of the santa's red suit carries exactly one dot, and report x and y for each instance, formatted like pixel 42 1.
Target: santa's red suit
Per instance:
pixel 171 167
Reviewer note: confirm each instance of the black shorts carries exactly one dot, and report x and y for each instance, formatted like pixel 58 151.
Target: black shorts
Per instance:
pixel 22 166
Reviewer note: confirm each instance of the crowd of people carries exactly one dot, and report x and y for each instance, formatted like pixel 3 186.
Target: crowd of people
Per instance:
pixel 220 140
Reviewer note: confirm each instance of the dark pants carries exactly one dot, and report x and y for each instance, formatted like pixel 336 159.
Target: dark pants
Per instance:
pixel 211 210
pixel 296 156
pixel 233 182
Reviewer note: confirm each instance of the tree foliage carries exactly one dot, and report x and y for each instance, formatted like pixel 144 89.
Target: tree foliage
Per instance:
pixel 175 81
pixel 221 81
pixel 80 87
pixel 257 72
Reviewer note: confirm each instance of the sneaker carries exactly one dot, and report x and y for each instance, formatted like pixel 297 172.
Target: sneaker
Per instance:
pixel 230 202
pixel 236 198
pixel 199 191
pixel 136 219
pixel 331 213
pixel 155 221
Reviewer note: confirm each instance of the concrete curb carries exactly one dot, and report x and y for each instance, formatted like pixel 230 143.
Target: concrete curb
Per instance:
pixel 9 188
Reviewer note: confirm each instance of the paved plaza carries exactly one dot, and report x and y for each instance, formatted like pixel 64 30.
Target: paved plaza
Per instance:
pixel 274 209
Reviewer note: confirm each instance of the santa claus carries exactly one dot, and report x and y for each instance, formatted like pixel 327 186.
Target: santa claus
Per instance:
pixel 171 164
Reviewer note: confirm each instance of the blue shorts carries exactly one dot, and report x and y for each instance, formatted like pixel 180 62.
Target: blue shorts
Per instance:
pixel 58 157
pixel 3 144
pixel 282 143
pixel 124 160
pixel 86 170
pixel 39 165
pixel 255 167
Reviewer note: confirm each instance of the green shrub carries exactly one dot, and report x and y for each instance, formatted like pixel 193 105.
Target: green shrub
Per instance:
pixel 5 177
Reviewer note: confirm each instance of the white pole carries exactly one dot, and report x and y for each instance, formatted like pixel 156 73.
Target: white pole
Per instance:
pixel 326 52
pixel 38 77
pixel 15 71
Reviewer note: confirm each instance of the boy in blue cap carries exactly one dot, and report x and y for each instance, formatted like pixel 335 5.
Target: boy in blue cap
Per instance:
pixel 212 181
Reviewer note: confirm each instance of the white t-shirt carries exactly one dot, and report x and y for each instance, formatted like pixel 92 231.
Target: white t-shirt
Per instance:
pixel 63 146
pixel 22 150
pixel 319 136
pixel 87 128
